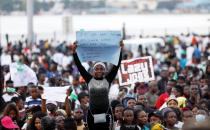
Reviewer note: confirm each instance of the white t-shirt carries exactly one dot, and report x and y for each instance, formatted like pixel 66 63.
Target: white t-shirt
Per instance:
pixel 8 97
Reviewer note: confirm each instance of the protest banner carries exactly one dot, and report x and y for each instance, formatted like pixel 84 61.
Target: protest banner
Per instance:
pixel 21 75
pixel 136 70
pixel 99 46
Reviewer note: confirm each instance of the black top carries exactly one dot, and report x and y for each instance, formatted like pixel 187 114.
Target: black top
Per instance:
pixel 98 87
pixel 87 76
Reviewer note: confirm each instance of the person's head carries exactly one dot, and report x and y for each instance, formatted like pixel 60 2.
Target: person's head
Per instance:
pixel 48 123
pixel 78 114
pixel 33 92
pixel 172 102
pixel 201 115
pixel 51 106
pixel 11 111
pixel 131 102
pixel 35 123
pixel 141 117
pixel 40 90
pixel 128 116
pixel 141 99
pixel 170 118
pixel 9 83
pixel 194 89
pixel 164 74
pixel 53 67
pixel 70 124
pixel 61 112
pixel 177 91
pixel 181 80
pixel 155 117
pixel 19 102
pixel 186 91
pixel 170 84
pixel 41 77
pixel 195 110
pixel 99 70
pixel 83 98
pixel 75 81
pixel 60 122
pixel 208 69
pixel 118 111
pixel 203 104
pixel 187 115
pixel 153 86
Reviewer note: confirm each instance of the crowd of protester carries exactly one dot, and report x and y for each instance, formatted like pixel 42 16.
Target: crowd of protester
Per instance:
pixel 178 98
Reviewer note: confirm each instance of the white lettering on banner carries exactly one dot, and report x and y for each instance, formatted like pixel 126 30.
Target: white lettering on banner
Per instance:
pixel 136 70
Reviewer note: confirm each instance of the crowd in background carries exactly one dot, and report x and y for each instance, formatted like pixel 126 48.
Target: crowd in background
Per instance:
pixel 178 98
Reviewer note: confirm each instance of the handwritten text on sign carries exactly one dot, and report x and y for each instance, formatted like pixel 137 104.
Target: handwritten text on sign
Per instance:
pixel 99 46
pixel 136 70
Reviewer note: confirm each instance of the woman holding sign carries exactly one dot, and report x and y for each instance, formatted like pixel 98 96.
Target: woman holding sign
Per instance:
pixel 99 114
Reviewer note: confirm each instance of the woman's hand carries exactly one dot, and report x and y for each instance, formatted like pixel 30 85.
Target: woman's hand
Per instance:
pixel 121 44
pixel 74 47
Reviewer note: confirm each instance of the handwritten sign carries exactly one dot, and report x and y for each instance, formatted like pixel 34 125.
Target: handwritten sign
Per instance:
pixel 21 75
pixel 99 46
pixel 136 70
pixel 57 94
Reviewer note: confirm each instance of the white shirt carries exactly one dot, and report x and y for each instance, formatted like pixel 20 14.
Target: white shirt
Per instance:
pixel 8 97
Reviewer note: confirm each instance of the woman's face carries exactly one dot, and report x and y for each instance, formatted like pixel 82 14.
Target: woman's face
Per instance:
pixel 175 92
pixel 20 104
pixel 171 118
pixel 194 89
pixel 128 116
pixel 172 104
pixel 187 90
pixel 141 99
pixel 195 111
pixel 142 117
pixel 118 112
pixel 99 71
pixel 12 114
pixel 131 103
pixel 154 120
pixel 37 123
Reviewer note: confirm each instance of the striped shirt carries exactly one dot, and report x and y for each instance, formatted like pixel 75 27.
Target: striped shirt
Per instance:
pixel 30 102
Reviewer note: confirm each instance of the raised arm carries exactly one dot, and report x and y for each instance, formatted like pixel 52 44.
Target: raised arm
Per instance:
pixel 68 104
pixel 112 74
pixel 87 76
pixel 44 107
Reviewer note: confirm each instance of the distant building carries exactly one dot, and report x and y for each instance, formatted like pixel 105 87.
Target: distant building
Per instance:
pixel 147 5
pixel 121 3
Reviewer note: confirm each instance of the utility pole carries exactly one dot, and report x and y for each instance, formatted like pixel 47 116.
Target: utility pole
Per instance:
pixel 30 13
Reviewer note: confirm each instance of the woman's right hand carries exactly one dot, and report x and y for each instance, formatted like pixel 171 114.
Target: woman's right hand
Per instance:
pixel 74 47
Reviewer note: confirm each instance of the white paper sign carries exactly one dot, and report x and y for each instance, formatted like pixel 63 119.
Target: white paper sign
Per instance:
pixel 21 75
pixel 57 94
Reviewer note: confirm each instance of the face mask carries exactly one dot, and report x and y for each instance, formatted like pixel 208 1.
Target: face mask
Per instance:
pixel 200 118
pixel 10 90
pixel 87 104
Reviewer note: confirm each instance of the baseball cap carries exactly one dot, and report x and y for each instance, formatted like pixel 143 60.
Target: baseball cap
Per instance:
pixel 156 113
pixel 8 123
